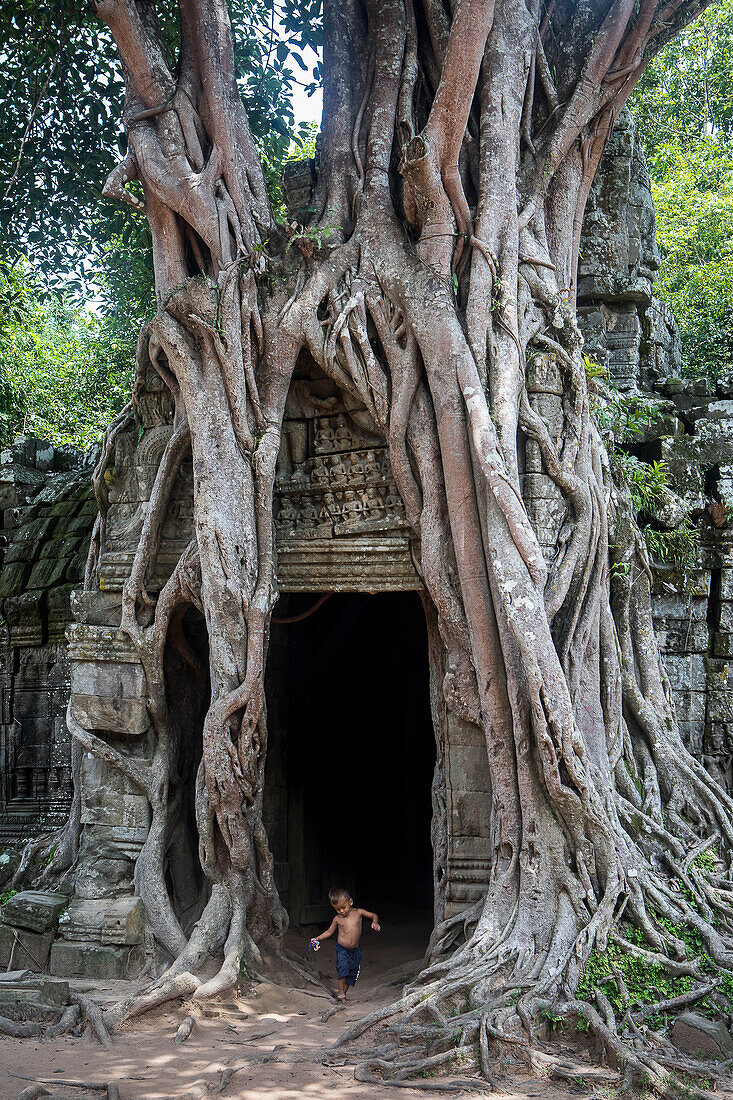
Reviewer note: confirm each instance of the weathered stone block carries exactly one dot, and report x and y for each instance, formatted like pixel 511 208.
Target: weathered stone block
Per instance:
pixel 13 579
pixel 697 1035
pixel 90 960
pixel 110 695
pixel 543 375
pixel 720 410
pixel 108 798
pixel 41 990
pixel 464 733
pixel 98 712
pixel 723 644
pixel 690 705
pixel 720 704
pixel 48 572
pixel 109 678
pixel 686 671
pixel 468 768
pixel 106 921
pixel 20 948
pixel 681 636
pixel 549 407
pixel 725 618
pixel 679 607
pixel 37 910
pixel 469 813
pixel 539 487
pixel 96 608
pixel 41 1000
pixel 34 530
pixel 692 736
pixel 107 861
pixel 726 584
pixel 19 552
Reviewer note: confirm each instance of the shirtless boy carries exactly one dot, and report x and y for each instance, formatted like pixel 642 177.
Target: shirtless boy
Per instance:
pixel 348 922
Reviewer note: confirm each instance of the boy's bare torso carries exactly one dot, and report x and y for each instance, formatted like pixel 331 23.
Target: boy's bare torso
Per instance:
pixel 349 927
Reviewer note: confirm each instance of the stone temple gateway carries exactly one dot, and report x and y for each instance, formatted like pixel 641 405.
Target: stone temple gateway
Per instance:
pixel 342 533
pixel 350 615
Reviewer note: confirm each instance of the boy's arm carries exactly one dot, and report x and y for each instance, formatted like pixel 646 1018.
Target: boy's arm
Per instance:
pixel 329 931
pixel 376 926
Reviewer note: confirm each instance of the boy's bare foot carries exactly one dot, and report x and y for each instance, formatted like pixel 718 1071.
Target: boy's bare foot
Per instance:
pixel 341 998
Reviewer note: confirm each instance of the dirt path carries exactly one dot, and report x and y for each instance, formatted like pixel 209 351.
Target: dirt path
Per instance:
pixel 228 1036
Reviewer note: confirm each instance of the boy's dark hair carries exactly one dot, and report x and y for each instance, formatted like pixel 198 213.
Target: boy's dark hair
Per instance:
pixel 338 893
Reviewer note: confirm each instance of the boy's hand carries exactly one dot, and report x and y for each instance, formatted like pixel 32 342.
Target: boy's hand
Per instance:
pixel 376 926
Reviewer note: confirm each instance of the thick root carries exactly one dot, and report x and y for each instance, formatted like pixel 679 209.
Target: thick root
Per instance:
pixel 93 1014
pixel 185 1028
pixel 19 1029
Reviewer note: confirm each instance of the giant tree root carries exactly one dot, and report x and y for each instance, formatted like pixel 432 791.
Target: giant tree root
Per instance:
pixel 94 1015
pixel 19 1029
pixel 92 1086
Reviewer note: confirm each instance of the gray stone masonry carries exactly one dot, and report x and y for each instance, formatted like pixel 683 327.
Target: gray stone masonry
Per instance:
pixel 46 514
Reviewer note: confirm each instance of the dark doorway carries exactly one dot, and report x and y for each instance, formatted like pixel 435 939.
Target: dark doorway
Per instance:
pixel 351 756
pixel 189 694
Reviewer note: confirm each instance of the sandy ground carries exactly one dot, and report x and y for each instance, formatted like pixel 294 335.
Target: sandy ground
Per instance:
pixel 148 1066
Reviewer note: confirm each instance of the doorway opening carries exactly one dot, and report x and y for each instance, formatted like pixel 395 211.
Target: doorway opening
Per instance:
pixel 351 755
pixel 188 697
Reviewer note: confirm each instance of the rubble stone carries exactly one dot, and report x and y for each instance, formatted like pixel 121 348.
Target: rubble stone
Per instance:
pixel 20 948
pixel 36 910
pixel 700 1037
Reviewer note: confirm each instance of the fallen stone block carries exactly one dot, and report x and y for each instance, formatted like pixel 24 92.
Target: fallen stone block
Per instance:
pixel 36 910
pixel 41 999
pixel 21 948
pixel 696 1035
pixel 46 991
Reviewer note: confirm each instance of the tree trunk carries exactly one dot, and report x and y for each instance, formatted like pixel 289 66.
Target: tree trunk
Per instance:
pixel 434 283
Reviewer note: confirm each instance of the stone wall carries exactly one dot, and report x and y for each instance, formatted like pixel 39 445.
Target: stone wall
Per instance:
pixel 634 336
pixel 46 514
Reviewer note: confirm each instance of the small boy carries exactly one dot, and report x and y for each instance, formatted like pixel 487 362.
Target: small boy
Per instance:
pixel 348 953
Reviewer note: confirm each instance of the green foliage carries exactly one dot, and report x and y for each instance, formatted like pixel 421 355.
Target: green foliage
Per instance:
pixel 707 859
pixel 593 369
pixel 65 370
pixel 693 195
pixel 6 896
pixel 62 92
pixel 684 109
pixel 649 983
pixel 686 92
pixel 624 418
pixel 646 480
pixel 679 548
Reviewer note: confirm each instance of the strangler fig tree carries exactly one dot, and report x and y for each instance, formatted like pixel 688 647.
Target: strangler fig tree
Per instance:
pixel 432 278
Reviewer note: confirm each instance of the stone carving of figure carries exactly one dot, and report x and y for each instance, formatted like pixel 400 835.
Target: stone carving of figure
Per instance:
pixel 320 473
pixel 338 472
pixel 324 436
pixel 287 516
pixel 343 437
pixel 308 516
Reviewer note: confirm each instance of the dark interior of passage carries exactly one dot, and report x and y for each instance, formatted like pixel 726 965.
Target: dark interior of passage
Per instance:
pixel 351 754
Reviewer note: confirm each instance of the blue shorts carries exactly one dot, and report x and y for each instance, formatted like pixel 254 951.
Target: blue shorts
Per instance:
pixel 348 963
